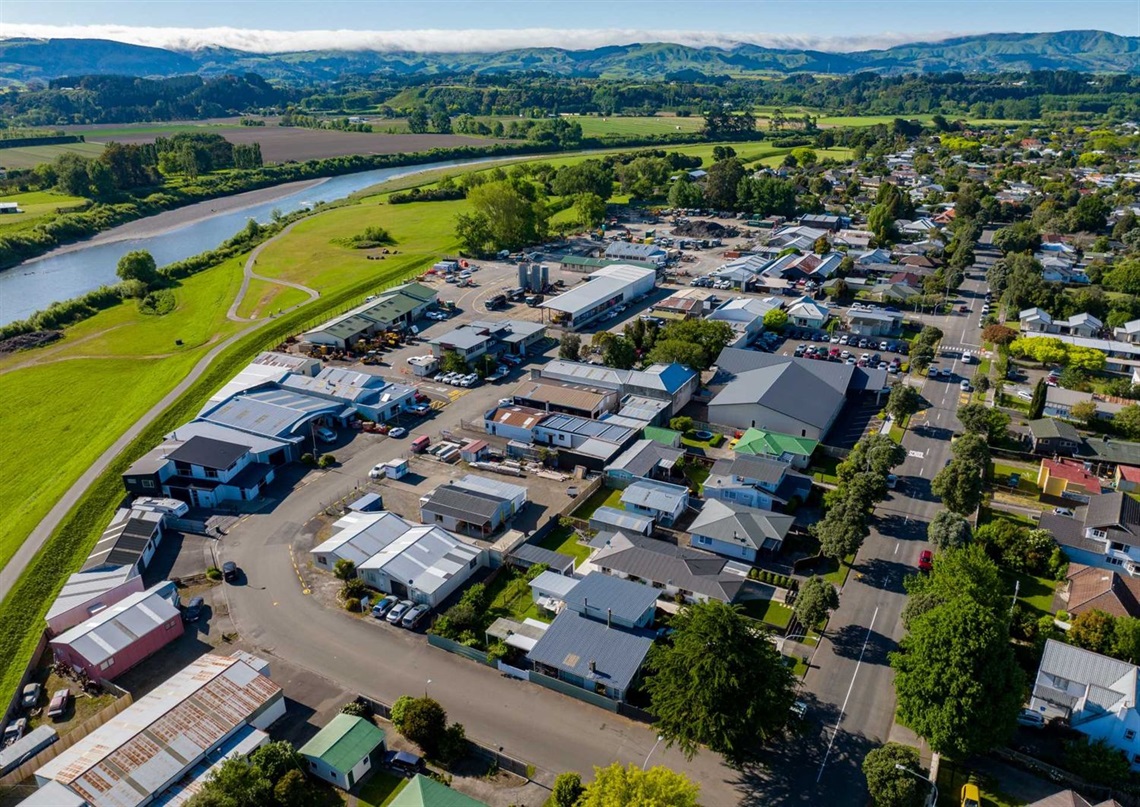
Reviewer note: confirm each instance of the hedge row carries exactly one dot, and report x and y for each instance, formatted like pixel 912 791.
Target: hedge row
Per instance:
pixel 774 579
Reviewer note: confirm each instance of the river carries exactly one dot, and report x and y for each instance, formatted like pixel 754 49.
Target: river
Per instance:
pixel 175 235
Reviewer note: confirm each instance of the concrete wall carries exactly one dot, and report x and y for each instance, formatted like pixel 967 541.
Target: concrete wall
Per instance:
pixel 743 416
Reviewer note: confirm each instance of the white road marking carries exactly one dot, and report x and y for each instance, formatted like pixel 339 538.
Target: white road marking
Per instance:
pixel 897 545
pixel 916 454
pixel 851 686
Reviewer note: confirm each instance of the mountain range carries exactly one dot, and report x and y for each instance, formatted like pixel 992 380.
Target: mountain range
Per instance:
pixel 22 60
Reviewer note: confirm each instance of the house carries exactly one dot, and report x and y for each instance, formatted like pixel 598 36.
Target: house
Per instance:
pixel 425 564
pixel 795 451
pixel 738 532
pixel 130 540
pixel 672 570
pixel 550 589
pixel 894 292
pixel 466 511
pixel 86 593
pixel 344 751
pixel 1089 588
pixel 605 290
pixel 571 431
pixel 755 481
pixel 357 537
pixel 745 315
pixel 1059 403
pixel 1126 478
pixel 645 459
pixel 807 313
pixel 1084 325
pixel 613 600
pixel 589 654
pixel 514 422
pixel 1128 332
pixel 679 308
pixel 1106 533
pixel 117 638
pixel 674 383
pixel 565 398
pixel 863 321
pixel 1052 436
pixel 1068 479
pixel 213 702
pixel 663 501
pixel 611 519
pixel 423 791
pixel 527 556
pixel 206 472
pixel 1094 693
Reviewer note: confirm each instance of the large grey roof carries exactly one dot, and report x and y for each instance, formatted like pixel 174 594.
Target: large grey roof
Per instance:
pixel 272 412
pixel 643 456
pixel 600 594
pixel 209 430
pixel 1051 428
pixel 1070 532
pixel 424 558
pixel 669 564
pixel 654 495
pixel 751 466
pixel 492 487
pixel 125 539
pixel 788 389
pixel 86 587
pixel 572 643
pixel 1114 509
pixel 733 524
pixel 1109 682
pixel 209 453
pixel 534 555
pixel 449 500
pixel 734 361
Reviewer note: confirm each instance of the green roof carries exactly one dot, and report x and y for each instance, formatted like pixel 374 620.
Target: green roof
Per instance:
pixel 424 792
pixel 759 441
pixel 666 437
pixel 344 742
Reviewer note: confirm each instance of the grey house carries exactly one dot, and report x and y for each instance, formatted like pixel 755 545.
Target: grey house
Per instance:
pixel 738 532
pixel 1050 436
pixel 465 511
pixel 645 459
pixel 588 654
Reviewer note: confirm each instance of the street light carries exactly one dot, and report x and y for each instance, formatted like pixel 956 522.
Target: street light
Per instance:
pixel 660 737
pixel 426 685
pixel 933 786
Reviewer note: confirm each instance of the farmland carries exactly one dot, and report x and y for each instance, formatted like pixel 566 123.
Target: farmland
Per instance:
pixel 31 156
pixel 35 207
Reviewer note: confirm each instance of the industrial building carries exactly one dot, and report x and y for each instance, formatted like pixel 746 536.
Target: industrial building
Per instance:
pixel 605 290
pixel 646 253
pixel 151 746
pixel 673 383
pixel 425 564
pixel 394 309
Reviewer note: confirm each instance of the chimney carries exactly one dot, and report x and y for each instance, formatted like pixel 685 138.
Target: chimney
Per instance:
pixel 609 617
pixel 585 605
pixel 593 667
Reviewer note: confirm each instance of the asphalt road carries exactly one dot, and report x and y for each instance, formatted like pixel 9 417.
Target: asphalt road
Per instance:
pixel 551 731
pixel 850 684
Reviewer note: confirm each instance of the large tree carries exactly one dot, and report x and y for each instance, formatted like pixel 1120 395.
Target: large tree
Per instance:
pixel 957 682
pixel 986 421
pixel 904 401
pixel 876 453
pixel 816 600
pixel 948 530
pixel 889 786
pixel 1093 630
pixel 959 486
pixel 842 529
pixel 138 265
pixel 618 786
pixel 718 684
pixel 570 346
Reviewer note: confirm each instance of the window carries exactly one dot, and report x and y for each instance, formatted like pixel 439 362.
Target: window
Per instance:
pixel 1115 561
pixel 108 663
pixel 1098 534
pixel 703 540
pixel 147 483
pixel 474 560
pixel 1119 547
pixel 1130 734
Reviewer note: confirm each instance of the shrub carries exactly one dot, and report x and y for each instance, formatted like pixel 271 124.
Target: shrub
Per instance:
pixel 356 709
pixel 399 708
pixel 452 745
pixel 214 573
pixel 309 460
pixel 567 790
pixel 716 440
pixel 344 569
pixel 425 722
pixel 326 461
pixel 353 589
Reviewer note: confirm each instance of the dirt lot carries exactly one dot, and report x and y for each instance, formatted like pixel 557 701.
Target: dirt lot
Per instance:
pixel 281 144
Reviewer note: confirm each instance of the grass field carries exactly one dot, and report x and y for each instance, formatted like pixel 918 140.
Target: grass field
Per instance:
pixel 35 207
pixel 31 156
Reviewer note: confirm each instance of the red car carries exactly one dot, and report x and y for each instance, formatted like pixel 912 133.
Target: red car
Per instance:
pixel 926 561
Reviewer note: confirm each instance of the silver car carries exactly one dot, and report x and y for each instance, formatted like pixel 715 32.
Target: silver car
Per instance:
pixel 414 616
pixel 398 611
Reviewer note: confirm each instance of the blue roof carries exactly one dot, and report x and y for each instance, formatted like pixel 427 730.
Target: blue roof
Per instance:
pixel 598 594
pixel 572 643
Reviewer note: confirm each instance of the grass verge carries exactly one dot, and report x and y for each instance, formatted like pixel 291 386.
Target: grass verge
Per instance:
pixel 381 789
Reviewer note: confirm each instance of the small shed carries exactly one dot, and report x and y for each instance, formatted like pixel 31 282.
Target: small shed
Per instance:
pixel 396 469
pixel 368 503
pixel 528 555
pixel 474 451
pixel 550 590
pixel 344 751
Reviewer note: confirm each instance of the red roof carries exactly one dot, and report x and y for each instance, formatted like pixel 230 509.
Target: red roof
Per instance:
pixel 1128 473
pixel 1074 473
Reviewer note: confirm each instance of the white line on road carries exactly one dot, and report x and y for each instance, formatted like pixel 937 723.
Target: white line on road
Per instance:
pixel 897 545
pixel 843 708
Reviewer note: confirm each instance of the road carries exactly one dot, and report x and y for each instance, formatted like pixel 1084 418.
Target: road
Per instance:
pixel 551 731
pixel 850 684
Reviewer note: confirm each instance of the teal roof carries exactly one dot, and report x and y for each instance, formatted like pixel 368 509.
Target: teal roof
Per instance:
pixel 344 742
pixel 664 436
pixel 424 792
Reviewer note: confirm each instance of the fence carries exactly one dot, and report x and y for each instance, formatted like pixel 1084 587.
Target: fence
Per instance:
pixel 190 525
pixel 833 451
pixel 458 649
pixel 574 692
pixel 514 672
pixel 67 740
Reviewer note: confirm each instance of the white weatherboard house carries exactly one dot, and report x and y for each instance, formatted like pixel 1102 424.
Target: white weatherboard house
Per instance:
pixel 738 532
pixel 661 500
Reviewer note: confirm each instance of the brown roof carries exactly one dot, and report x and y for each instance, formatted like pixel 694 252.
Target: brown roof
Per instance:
pixel 521 417
pixel 1092 588
pixel 571 395
pixel 1068 798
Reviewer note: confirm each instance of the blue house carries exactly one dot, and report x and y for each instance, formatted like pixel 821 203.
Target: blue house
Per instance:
pixel 755 481
pixel 613 600
pixel 738 532
pixel 663 501
pixel 591 655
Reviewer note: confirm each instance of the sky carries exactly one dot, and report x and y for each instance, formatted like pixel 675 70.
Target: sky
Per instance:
pixel 465 25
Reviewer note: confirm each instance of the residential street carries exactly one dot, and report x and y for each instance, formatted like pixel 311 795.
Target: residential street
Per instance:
pixel 849 687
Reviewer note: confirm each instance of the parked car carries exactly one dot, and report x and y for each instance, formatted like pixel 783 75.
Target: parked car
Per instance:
pixel 946 372
pixel 404 762
pixel 398 611
pixel 398 432
pixel 13 732
pixel 420 409
pixel 381 609
pixel 378 471
pixel 414 616
pixel 229 571
pixel 798 710
pixel 1063 511
pixel 193 609
pixel 326 435
pixel 59 702
pixel 965 386
pixel 892 481
pixel 926 561
pixel 932 372
pixel 421 398
pixel 30 696
pixel 1031 719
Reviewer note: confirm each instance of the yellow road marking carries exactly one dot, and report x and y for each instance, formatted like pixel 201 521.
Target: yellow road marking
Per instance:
pixel 297 570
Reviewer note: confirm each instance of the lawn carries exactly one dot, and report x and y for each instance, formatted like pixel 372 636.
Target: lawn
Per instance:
pixel 824 470
pixel 1026 486
pixel 989 515
pixel 380 789
pixel 511 598
pixel 951 777
pixel 1034 592
pixel 35 207
pixel 264 298
pixel 602 497
pixel 696 474
pixel 712 442
pixel 565 540
pixel 769 612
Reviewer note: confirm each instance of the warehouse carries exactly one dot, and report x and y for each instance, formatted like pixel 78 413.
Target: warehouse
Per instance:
pixel 646 253
pixel 394 309
pixel 605 290
pixel 153 744
pixel 425 565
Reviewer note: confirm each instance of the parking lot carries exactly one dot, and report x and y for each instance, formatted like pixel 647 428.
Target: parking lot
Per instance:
pixel 864 351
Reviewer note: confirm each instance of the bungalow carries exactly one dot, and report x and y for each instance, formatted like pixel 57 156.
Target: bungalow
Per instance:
pixel 589 654
pixel 1127 478
pixel 1052 436
pixel 422 791
pixel 679 308
pixel 460 509
pixel 863 321
pixel 1103 534
pixel 645 459
pixel 663 501
pixel 1128 332
pixel 1094 694
pixel 738 532
pixel 611 519
pixel 894 292
pixel 617 602
pixel 872 261
pixel 755 481
pixel 1059 403
pixel 344 751
pixel 795 451
pixel 1067 479
pixel 807 313
pixel 1089 588
pixel 745 315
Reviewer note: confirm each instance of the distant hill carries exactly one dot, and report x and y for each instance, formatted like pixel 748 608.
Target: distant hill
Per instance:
pixel 1092 51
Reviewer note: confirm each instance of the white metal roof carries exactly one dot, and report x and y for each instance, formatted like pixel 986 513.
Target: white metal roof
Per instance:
pixel 423 558
pixel 124 762
pixel 359 536
pixel 115 628
pixel 84 587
